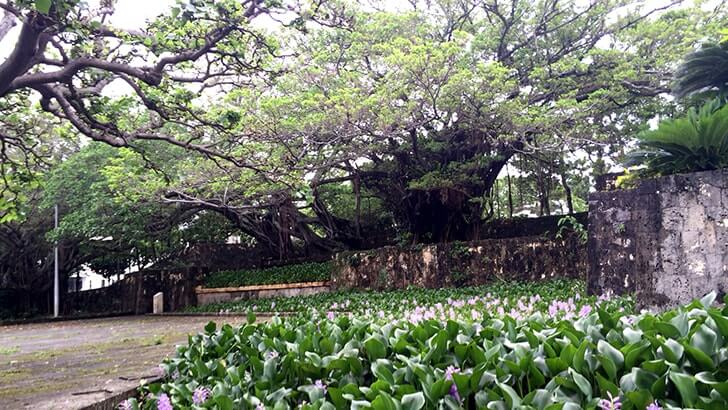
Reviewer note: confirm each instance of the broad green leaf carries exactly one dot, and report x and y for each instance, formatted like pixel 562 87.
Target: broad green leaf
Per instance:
pixel 685 384
pixel 414 401
pixel 43 6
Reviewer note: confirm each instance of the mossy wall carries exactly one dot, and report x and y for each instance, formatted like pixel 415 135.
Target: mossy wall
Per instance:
pixel 460 263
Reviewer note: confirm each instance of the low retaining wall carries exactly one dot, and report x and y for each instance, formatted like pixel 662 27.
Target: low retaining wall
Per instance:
pixel 207 296
pixel 666 240
pixel 460 263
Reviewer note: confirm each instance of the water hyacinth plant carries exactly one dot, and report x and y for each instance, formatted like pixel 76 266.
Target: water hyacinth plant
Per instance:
pixel 558 298
pixel 603 356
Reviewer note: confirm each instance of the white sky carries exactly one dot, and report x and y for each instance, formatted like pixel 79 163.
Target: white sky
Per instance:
pixel 132 14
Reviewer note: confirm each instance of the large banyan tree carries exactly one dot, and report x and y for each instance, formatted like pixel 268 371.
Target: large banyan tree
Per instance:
pixel 422 108
pixel 333 124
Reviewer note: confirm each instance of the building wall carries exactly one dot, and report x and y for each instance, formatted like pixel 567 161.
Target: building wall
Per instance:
pixel 666 240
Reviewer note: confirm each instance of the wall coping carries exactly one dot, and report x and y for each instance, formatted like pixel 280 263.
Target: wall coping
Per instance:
pixel 529 239
pixel 276 286
pixel 652 185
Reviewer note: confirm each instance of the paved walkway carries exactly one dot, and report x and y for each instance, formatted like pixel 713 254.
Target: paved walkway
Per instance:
pixel 68 365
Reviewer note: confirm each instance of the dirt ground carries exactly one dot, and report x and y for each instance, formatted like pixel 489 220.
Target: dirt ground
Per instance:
pixel 69 365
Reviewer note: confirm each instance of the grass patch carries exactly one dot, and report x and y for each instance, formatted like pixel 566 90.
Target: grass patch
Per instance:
pixel 9 350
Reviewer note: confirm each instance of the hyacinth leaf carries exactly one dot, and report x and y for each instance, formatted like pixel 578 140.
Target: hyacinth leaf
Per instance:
pixel 578 362
pixel 640 399
pixel 511 397
pixel 708 300
pixel 704 339
pixel 606 386
pixel 375 348
pixel 383 401
pixel 721 323
pixel 611 352
pixel 582 383
pixel 413 401
pixel 703 361
pixel 685 384
pixel 224 403
pixel 672 350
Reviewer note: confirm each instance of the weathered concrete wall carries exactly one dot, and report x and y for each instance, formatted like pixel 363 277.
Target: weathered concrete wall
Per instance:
pixel 460 263
pixel 666 240
pixel 206 296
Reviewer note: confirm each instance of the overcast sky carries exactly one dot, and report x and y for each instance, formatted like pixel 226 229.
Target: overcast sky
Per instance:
pixel 132 14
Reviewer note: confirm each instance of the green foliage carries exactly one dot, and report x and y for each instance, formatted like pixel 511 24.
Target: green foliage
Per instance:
pixel 43 6
pixel 703 70
pixel 540 361
pixel 399 302
pixel 696 142
pixel 302 272
pixel 570 224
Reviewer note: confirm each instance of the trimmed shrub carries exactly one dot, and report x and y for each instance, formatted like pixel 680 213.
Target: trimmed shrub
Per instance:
pixel 302 272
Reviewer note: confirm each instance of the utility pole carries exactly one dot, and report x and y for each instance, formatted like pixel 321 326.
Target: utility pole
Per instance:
pixel 55 268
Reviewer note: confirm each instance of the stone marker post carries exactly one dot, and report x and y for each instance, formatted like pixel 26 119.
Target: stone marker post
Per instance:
pixel 158 303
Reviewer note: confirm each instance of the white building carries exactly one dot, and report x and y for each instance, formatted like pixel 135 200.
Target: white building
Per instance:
pixel 87 279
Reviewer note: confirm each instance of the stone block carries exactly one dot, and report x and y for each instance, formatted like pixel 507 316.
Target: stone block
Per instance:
pixel 158 303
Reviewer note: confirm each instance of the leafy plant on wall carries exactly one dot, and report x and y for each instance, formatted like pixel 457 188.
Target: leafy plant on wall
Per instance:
pixel 697 141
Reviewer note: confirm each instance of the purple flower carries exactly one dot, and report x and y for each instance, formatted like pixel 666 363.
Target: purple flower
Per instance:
pixel 454 392
pixel 553 310
pixel 612 404
pixel 653 406
pixel 320 385
pixel 585 310
pixel 271 355
pixel 163 402
pixel 200 395
pixel 330 315
pixel 260 406
pixel 125 405
pixel 450 371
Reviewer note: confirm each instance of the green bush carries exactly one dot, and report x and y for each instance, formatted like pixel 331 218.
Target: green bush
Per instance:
pixel 302 272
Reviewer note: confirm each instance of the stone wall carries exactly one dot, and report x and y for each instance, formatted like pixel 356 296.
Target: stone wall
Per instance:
pixel 460 263
pixel 666 240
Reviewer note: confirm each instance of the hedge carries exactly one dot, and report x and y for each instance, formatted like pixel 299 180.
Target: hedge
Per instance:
pixel 302 272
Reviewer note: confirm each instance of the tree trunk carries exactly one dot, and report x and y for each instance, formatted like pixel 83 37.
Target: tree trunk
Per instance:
pixel 567 190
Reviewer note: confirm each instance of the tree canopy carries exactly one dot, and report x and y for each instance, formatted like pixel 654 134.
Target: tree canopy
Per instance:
pixel 307 127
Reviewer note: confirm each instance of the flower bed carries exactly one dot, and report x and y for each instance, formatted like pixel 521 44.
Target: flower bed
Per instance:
pixel 533 351
pixel 302 272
